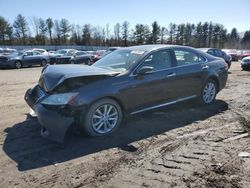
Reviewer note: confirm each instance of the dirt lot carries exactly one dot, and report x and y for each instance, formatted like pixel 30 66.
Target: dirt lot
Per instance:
pixel 181 146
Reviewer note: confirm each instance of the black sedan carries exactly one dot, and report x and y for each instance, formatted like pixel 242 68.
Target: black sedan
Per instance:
pixel 23 59
pixel 218 53
pixel 245 63
pixel 126 82
pixel 75 57
pixel 59 53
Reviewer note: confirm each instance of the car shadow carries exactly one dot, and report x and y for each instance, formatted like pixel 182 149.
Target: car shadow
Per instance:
pixel 29 150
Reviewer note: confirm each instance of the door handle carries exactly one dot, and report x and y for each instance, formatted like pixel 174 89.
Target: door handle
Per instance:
pixel 205 67
pixel 172 74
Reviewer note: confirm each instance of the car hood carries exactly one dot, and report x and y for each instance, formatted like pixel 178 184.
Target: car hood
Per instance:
pixel 54 75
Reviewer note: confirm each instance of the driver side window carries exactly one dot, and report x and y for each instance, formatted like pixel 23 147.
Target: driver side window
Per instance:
pixel 158 60
pixel 29 53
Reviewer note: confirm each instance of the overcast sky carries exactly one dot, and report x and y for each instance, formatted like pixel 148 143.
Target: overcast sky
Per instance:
pixel 230 13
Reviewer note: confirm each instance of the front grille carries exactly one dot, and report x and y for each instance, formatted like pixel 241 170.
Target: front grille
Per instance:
pixel 62 60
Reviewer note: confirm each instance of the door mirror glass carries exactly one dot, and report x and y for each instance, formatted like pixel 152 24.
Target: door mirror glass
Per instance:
pixel 145 70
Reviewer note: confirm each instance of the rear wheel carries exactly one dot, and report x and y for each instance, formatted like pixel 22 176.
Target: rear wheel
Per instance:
pixel 18 65
pixel 102 118
pixel 208 92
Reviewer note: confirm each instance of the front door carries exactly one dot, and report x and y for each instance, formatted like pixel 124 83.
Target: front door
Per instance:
pixel 155 87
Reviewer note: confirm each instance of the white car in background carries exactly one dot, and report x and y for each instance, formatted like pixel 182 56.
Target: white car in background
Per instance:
pixel 40 50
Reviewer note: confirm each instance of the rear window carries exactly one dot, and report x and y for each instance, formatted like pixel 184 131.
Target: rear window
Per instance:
pixel 185 57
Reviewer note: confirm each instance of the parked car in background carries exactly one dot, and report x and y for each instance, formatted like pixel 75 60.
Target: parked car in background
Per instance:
pixel 42 51
pixel 111 49
pixel 218 53
pixel 59 53
pixel 98 55
pixel 243 53
pixel 245 63
pixel 233 53
pixel 125 82
pixel 23 59
pixel 75 57
pixel 6 51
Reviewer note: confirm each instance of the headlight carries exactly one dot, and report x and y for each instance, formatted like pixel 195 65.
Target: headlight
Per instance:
pixel 60 99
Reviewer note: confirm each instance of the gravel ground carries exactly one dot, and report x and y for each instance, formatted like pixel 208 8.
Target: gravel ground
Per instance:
pixel 184 145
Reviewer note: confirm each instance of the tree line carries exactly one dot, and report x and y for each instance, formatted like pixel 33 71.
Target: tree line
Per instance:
pixel 39 31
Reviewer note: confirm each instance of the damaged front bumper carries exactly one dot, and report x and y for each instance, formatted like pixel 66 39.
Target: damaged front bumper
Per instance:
pixel 54 123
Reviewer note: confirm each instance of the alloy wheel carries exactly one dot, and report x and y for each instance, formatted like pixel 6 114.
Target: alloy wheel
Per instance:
pixel 18 65
pixel 209 92
pixel 104 118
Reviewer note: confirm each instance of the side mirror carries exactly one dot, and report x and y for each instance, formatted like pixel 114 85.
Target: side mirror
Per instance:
pixel 145 70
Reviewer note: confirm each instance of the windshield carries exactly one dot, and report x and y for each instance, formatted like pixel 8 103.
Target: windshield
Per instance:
pixel 119 60
pixel 61 52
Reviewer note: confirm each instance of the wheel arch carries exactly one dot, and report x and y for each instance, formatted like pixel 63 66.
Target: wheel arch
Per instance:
pixel 18 60
pixel 112 98
pixel 216 80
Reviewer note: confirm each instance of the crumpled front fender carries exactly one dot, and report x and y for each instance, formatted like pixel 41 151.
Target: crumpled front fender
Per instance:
pixel 54 125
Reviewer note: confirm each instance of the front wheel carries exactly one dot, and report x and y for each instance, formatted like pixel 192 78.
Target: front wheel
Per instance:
pixel 87 62
pixel 208 92
pixel 102 118
pixel 18 65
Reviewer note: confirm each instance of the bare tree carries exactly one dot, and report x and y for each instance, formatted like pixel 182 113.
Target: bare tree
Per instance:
pixel 117 33
pixel 50 25
pixel 163 32
pixel 125 32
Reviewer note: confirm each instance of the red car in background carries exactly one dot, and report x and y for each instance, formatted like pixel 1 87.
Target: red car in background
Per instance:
pixel 233 53
pixel 98 55
pixel 243 53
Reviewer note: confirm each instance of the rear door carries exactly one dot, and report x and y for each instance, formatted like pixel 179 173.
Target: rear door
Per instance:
pixel 37 58
pixel 191 71
pixel 28 58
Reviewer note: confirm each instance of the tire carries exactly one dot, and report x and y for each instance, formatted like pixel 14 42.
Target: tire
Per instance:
pixel 43 63
pixel 18 64
pixel 208 92
pixel 102 118
pixel 88 62
pixel 72 62
pixel 229 64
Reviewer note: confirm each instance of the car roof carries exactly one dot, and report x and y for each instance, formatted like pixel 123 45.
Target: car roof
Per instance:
pixel 152 47
pixel 67 49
